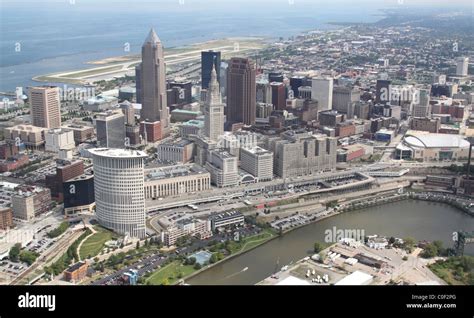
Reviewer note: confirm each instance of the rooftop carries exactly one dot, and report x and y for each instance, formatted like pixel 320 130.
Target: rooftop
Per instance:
pixel 431 140
pixel 174 171
pixel 118 153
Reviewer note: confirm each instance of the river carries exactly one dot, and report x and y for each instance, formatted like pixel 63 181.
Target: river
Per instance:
pixel 421 220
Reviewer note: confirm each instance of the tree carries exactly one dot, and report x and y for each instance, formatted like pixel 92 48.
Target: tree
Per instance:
pixel 213 258
pixel 197 266
pixel 28 257
pixel 430 251
pixel 409 244
pixel 138 245
pixel 318 247
pixel 14 252
pixel 190 261
pixel 439 247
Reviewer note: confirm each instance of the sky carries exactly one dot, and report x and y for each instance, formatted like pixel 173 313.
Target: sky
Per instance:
pixel 437 3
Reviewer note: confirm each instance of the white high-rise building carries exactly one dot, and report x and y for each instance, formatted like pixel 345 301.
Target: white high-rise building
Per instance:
pixel 321 91
pixel 258 162
pixel 462 65
pixel 214 110
pixel 119 188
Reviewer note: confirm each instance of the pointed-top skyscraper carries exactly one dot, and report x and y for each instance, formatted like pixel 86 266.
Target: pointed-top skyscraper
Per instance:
pixel 214 109
pixel 151 88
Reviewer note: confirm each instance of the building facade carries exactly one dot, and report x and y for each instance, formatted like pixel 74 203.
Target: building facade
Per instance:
pixel 214 110
pixel 176 180
pixel 241 91
pixel 151 83
pixel 299 154
pixel 223 168
pixel 258 162
pixel 111 129
pixel 119 190
pixel 45 106
pixel 322 90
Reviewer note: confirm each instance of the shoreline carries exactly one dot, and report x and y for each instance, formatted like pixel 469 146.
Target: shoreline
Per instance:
pixel 118 66
pixel 383 202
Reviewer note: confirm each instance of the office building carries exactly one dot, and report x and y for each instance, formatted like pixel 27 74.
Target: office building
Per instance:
pixel 278 95
pixel 462 66
pixel 176 180
pixel 79 195
pixel 214 110
pixel 275 77
pixel 128 111
pixel 119 190
pixel 191 127
pixel 302 153
pixel 6 218
pixel 382 91
pixel 175 152
pixel 223 168
pixel 151 84
pixel 29 202
pixel 362 110
pixel 110 128
pixel 344 100
pixel 264 92
pixel 81 132
pixel 59 139
pixel 226 220
pixel 133 135
pixel 258 162
pixel 295 83
pixel 322 90
pixel 179 93
pixel 31 136
pixel 65 170
pixel 431 125
pixel 241 91
pixel 210 60
pixel 330 118
pixel 200 229
pixel 45 106
pixel 304 92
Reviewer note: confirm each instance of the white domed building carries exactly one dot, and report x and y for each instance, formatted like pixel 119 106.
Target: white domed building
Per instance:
pixel 425 146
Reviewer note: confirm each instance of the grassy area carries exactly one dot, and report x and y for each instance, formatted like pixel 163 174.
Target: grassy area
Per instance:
pixel 455 270
pixel 250 242
pixel 95 243
pixel 170 273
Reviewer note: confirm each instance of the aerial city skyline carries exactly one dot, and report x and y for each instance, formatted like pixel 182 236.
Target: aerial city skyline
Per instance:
pixel 335 156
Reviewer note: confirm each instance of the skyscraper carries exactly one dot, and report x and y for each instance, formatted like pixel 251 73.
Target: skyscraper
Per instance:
pixel 151 83
pixel 110 128
pixel 214 109
pixel 462 65
pixel 382 91
pixel 344 99
pixel 241 91
pixel 321 90
pixel 278 95
pixel 119 190
pixel 210 59
pixel 45 106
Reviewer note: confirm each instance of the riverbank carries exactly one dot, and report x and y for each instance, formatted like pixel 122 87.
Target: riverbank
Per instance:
pixel 393 220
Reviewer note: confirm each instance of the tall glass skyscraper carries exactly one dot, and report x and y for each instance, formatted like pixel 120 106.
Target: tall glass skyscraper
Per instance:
pixel 209 58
